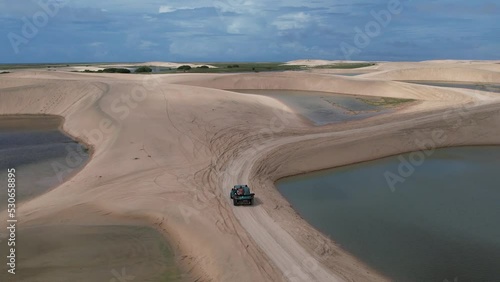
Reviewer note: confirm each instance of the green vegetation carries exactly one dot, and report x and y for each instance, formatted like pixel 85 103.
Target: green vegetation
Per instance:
pixel 265 67
pixel 245 67
pixel 116 70
pixel 184 68
pixel 345 66
pixel 385 101
pixel 226 67
pixel 108 70
pixel 48 65
pixel 143 69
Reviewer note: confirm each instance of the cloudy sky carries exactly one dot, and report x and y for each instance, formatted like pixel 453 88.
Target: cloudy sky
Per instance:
pixel 247 30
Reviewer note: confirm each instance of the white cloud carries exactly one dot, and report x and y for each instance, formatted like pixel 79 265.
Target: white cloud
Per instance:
pixel 229 29
pixel 166 9
pixel 236 6
pixel 244 25
pixel 292 21
pixel 234 28
pixel 169 9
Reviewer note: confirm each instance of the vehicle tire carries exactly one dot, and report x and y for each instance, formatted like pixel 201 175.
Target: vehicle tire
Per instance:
pixel 235 202
pixel 251 202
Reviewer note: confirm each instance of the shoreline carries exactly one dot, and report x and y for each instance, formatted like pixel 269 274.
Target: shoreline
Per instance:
pixel 60 121
pixel 383 157
pixel 178 153
pixel 299 189
pixel 42 123
pixel 283 210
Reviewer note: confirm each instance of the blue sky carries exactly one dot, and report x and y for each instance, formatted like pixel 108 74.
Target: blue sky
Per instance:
pixel 247 30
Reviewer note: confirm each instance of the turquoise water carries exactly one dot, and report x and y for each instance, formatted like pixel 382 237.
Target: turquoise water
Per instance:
pixel 442 222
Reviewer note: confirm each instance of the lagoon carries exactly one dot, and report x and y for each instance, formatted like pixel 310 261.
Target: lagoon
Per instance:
pixel 323 108
pixel 39 151
pixel 441 223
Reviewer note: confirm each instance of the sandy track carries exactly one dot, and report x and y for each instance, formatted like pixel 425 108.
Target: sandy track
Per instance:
pixel 172 160
pixel 281 248
pixel 293 259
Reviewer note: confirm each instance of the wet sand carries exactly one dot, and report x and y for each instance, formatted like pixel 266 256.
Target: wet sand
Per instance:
pixel 20 123
pixel 323 108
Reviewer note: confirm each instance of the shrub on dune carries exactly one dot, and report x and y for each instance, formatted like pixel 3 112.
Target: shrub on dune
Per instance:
pixel 184 68
pixel 116 70
pixel 143 69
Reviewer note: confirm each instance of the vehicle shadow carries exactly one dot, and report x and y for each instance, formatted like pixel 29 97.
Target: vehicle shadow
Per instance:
pixel 257 201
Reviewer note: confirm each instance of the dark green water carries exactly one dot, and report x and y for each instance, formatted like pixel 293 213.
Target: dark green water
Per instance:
pixel 442 222
pixel 93 253
pixel 323 108
pixel 44 158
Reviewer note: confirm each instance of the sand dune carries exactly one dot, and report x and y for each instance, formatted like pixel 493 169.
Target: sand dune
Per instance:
pixel 339 84
pixel 439 74
pixel 158 64
pixel 167 149
pixel 314 63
